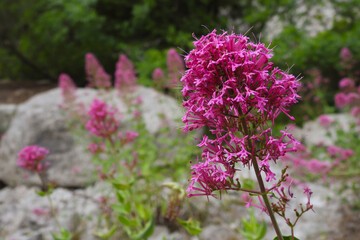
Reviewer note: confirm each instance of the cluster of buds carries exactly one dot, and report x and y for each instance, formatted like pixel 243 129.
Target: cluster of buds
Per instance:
pixel 349 97
pixel 68 90
pixel 125 74
pixel 32 158
pixel 304 162
pixel 175 69
pixel 103 122
pixel 96 75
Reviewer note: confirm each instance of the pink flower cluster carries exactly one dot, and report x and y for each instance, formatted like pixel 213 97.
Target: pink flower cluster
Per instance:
pixel 304 162
pixel 350 95
pixel 96 148
pixel 96 75
pixel 232 88
pixel 103 122
pixel 32 158
pixel 125 74
pixel 175 69
pixel 175 65
pixel 325 121
pixel 68 88
pixel 129 137
pixel 346 59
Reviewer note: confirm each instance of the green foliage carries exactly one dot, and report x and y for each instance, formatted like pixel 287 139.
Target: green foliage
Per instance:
pixel 42 38
pixel 107 233
pixel 192 226
pixel 47 37
pixel 151 59
pixel 64 235
pixel 137 173
pixel 253 230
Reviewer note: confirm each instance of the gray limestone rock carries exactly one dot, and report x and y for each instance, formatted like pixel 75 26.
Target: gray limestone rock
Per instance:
pixel 40 121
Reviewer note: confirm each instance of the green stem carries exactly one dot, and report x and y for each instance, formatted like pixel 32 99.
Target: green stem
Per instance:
pixel 261 184
pixel 266 200
pixel 53 212
pixel 43 179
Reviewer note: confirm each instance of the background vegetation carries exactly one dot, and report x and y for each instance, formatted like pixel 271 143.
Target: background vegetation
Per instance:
pixel 39 39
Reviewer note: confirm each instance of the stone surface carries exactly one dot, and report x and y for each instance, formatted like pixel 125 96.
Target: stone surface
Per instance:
pixel 7 111
pixel 27 216
pixel 313 133
pixel 40 121
pixel 308 18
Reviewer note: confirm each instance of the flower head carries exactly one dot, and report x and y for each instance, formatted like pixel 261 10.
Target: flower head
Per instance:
pixel 32 158
pixel 230 76
pixel 346 55
pixel 96 148
pixel 232 88
pixel 325 121
pixel 158 76
pixel 175 65
pixel 67 87
pixel 125 74
pixel 96 75
pixel 103 122
pixel 346 83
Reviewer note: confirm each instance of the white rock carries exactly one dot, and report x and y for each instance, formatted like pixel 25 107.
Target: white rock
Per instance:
pixel 7 112
pixel 40 121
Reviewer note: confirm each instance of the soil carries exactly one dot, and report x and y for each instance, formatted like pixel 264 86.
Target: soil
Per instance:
pixel 18 92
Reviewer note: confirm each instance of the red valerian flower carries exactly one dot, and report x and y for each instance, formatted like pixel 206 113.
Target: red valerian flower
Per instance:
pixel 232 88
pixel 32 158
pixel 103 122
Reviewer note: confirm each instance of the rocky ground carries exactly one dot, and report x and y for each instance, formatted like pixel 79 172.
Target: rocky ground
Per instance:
pixel 25 216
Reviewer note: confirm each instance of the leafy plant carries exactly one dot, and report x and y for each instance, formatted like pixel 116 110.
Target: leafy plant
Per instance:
pixel 252 229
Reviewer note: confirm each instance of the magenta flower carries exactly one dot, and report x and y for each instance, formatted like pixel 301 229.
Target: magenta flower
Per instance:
pixel 232 88
pixel 318 167
pixel 346 83
pixel 158 75
pixel 176 67
pixel 129 137
pixel 346 55
pixel 125 74
pixel 341 100
pixel 103 122
pixel 68 88
pixel 96 148
pixel 325 121
pixel 32 158
pixel 96 75
pixel 355 112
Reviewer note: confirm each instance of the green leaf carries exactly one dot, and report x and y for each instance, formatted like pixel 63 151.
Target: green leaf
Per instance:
pixel 192 226
pixel 119 208
pixel 106 234
pixel 286 238
pixel 147 231
pixel 120 186
pixel 143 212
pixel 127 222
pixel 45 193
pixel 127 206
pixel 120 197
pixel 64 235
pixel 253 230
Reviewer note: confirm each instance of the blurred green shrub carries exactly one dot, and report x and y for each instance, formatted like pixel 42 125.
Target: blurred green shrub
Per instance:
pixel 42 38
pixel 38 39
